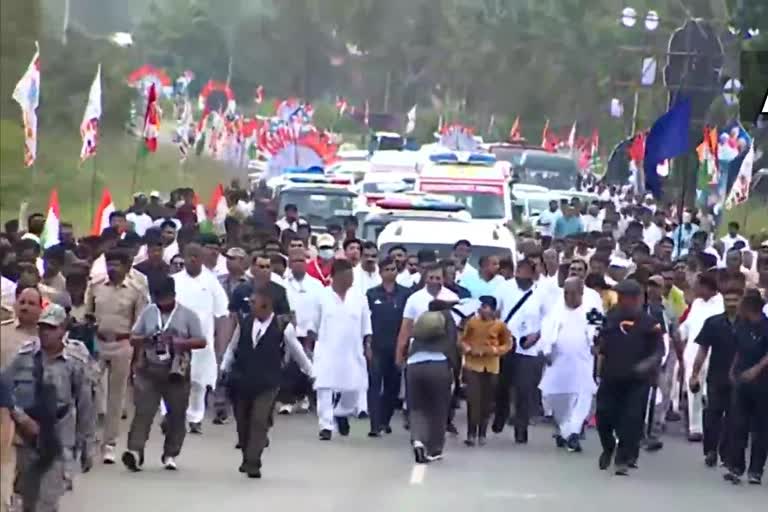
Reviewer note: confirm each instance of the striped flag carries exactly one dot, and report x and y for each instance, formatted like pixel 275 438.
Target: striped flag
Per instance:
pixel 50 234
pixel 102 213
pixel 259 98
pixel 89 128
pixel 27 95
pixel 151 121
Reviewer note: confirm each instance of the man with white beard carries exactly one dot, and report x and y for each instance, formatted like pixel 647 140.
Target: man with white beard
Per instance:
pixel 568 385
pixel 343 326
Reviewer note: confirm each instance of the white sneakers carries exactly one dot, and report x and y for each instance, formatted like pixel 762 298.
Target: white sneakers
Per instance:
pixel 285 409
pixel 169 463
pixel 108 454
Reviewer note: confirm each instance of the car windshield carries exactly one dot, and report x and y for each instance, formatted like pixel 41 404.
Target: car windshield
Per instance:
pixel 538 205
pixel 479 205
pixel 317 206
pixel 553 172
pixel 511 155
pixel 445 250
pixel 386 187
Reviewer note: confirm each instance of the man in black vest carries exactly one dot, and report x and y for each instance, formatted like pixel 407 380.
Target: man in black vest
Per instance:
pixel 254 363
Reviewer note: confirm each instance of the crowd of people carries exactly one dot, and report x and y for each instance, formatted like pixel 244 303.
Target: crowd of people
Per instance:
pixel 606 314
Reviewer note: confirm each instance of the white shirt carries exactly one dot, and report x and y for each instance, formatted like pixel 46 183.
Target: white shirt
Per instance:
pixel 729 242
pixel 141 222
pixel 652 235
pixel 170 251
pixel 220 269
pixel 304 297
pixel 204 295
pixel 527 319
pixel 405 278
pixel 418 302
pixel 295 350
pixel 592 299
pixel 700 310
pixel 467 271
pixel 7 291
pixel 547 220
pixel 341 325
pixel 568 338
pixel 591 223
pixel 283 224
pixel 363 280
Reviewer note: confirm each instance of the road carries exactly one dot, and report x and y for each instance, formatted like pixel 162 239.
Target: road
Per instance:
pixel 378 475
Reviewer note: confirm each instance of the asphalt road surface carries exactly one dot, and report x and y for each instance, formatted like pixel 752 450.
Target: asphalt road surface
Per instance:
pixel 377 475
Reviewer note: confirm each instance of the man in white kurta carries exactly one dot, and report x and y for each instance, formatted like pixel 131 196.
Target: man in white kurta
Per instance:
pixel 708 303
pixel 198 289
pixel 343 322
pixel 568 386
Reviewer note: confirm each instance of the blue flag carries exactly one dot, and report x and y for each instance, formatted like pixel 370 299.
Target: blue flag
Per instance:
pixel 668 138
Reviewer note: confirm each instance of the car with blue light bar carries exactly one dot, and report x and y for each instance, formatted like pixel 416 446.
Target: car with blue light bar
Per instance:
pixel 320 204
pixel 409 206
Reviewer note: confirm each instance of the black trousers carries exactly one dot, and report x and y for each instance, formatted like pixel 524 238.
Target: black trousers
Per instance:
pixel 716 417
pixel 254 419
pixel 621 414
pixel 481 388
pixel 520 374
pixel 429 397
pixel 748 417
pixel 383 389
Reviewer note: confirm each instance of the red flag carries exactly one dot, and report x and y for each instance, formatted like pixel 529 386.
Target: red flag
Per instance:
pixel 514 132
pixel 151 121
pixel 637 148
pixel 549 141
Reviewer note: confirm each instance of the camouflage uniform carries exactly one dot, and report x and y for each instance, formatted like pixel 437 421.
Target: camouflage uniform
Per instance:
pixel 41 489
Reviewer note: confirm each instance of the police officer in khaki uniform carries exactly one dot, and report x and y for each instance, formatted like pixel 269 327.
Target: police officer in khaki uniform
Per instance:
pixel 51 386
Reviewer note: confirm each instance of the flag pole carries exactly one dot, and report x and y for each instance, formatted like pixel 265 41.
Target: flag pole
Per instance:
pixel 94 172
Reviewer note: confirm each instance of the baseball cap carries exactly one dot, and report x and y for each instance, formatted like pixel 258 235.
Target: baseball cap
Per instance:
pixel 154 193
pixel 236 252
pixel 628 287
pixel 325 240
pixel 764 244
pixel 53 315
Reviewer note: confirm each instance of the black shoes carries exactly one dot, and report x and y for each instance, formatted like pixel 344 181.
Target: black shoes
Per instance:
pixel 621 470
pixel 387 429
pixel 419 452
pixel 653 444
pixel 560 441
pixel 695 438
pixel 574 444
pixel 254 473
pixel 710 459
pixel 498 425
pixel 732 477
pixel 325 435
pixel 604 462
pixel 755 479
pixel 374 434
pixel 521 436
pixel 221 419
pixel 133 460
pixel 196 428
pixel 342 423
pixel 451 429
pixel 470 441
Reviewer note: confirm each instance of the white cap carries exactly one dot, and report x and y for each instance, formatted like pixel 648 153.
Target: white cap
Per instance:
pixel 154 193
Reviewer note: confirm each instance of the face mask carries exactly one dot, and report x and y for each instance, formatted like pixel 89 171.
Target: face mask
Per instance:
pixel 524 283
pixel 325 254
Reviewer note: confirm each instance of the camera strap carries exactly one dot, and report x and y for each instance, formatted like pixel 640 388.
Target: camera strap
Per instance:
pixel 520 303
pixel 163 326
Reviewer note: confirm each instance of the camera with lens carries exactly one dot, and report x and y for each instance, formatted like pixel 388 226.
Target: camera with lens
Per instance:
pixel 595 318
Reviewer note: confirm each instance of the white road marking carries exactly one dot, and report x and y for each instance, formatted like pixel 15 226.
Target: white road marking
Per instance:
pixel 418 472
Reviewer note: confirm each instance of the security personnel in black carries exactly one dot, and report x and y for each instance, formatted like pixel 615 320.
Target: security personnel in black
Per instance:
pixel 253 362
pixel 631 347
pixel 386 303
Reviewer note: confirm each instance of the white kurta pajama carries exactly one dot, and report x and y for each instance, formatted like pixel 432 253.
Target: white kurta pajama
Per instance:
pixel 205 296
pixel 567 386
pixel 339 358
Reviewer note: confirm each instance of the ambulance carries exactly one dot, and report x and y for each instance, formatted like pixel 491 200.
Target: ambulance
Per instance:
pixel 476 180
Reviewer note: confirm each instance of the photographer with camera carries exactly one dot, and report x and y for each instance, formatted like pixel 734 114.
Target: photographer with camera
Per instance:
pixel 164 335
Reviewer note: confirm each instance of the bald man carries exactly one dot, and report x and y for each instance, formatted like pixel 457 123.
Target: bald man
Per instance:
pixel 568 386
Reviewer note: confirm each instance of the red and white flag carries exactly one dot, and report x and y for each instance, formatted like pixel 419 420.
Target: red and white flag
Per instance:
pixel 572 137
pixel 27 95
pixel 341 105
pixel 151 121
pixel 50 234
pixel 259 98
pixel 217 207
pixel 89 128
pixel 102 213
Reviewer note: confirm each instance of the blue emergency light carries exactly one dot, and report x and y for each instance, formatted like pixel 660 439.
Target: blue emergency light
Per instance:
pixel 420 204
pixel 464 157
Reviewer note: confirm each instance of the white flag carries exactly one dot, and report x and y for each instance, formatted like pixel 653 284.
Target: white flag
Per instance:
pixel 27 95
pixel 411 124
pixel 740 189
pixel 89 129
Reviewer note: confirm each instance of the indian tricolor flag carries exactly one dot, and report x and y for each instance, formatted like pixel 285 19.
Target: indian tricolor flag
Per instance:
pixel 27 95
pixel 101 216
pixel 707 152
pixel 50 235
pixel 89 128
